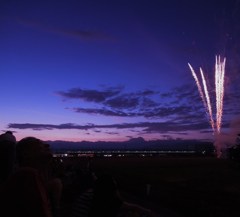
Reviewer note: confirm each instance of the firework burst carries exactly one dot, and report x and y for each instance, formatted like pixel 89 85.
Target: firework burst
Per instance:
pixel 219 91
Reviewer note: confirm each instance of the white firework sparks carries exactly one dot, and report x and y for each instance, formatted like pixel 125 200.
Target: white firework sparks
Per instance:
pixel 219 91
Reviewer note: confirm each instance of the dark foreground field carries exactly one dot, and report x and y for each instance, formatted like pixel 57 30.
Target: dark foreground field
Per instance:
pixel 184 187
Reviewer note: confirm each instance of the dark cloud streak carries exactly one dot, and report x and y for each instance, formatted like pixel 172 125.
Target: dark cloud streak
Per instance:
pixel 105 112
pixel 150 127
pixel 77 33
pixel 89 95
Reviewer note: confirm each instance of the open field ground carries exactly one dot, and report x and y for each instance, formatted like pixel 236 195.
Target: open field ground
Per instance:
pixel 185 187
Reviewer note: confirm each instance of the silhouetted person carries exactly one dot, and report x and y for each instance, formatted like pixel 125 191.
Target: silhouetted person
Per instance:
pixel 83 201
pixel 7 155
pixel 31 191
pixel 105 200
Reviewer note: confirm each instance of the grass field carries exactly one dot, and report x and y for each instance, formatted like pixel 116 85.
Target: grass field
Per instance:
pixel 185 187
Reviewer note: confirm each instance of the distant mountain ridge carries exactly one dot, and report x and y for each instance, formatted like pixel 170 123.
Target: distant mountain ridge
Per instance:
pixel 133 144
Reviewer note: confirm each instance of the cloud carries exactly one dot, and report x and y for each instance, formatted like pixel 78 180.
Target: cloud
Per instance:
pixel 123 102
pixel 158 112
pixel 149 104
pixel 168 111
pixel 138 101
pixel 169 126
pixel 112 133
pixel 149 127
pixel 89 95
pixel 112 97
pixel 182 110
pixel 104 112
pixel 77 33
pixel 83 34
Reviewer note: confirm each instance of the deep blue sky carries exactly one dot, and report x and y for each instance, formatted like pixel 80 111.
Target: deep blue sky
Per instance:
pixel 114 70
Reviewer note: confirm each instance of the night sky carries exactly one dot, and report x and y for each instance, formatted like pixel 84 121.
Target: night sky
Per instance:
pixel 114 70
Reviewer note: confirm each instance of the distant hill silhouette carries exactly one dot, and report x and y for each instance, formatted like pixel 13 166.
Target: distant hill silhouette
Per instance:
pixel 134 144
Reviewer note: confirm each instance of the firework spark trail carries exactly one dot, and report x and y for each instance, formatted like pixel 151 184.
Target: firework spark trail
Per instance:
pixel 198 85
pixel 219 88
pixel 208 102
pixel 219 91
pixel 205 98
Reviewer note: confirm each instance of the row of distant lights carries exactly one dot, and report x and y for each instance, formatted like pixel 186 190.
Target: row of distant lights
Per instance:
pixel 84 155
pixel 107 154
